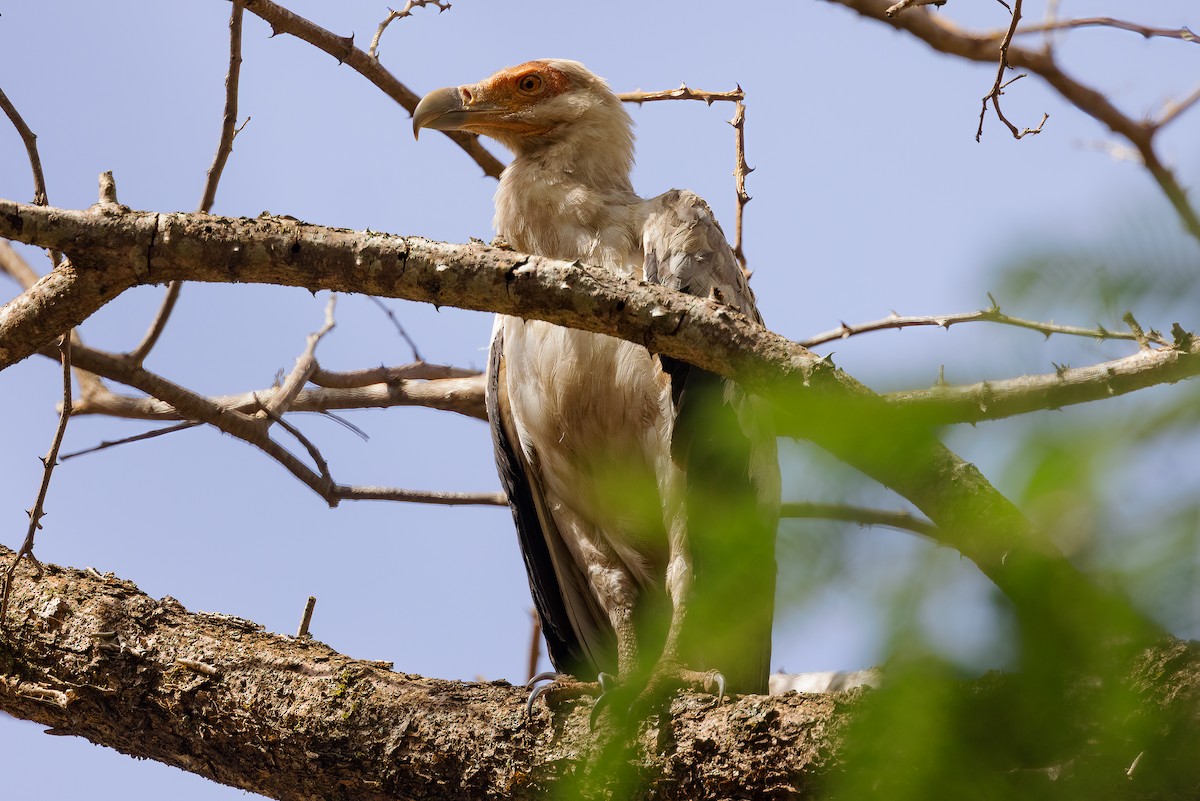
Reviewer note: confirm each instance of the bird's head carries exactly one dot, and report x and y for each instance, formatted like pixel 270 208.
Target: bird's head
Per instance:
pixel 528 106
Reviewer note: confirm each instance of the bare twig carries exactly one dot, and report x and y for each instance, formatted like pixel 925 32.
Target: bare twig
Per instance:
pixel 1172 111
pixel 196 666
pixel 905 521
pixel 1138 334
pixel 903 5
pixel 306 620
pixel 327 482
pixel 306 364
pixel 386 375
pixel 948 38
pixel 48 463
pixel 1182 34
pixel 29 138
pixel 683 92
pixel 372 51
pixel 178 402
pixel 348 493
pixel 229 127
pixel 106 444
pixel 399 328
pixel 999 85
pixel 989 315
pixel 740 170
pixel 159 323
pixel 461 395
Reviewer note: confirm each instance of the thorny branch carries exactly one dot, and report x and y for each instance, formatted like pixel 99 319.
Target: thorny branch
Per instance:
pixel 989 315
pixel 1182 34
pixel 946 37
pixel 682 92
pixel 740 169
pixel 372 51
pixel 418 384
pixel 13 263
pixel 1000 84
pixel 49 462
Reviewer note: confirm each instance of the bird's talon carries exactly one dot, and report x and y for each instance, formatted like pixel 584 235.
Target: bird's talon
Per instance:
pixel 716 677
pixel 537 689
pixel 608 686
pixel 548 675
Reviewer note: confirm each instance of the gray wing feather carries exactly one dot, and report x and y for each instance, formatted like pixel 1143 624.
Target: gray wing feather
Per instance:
pixel 686 250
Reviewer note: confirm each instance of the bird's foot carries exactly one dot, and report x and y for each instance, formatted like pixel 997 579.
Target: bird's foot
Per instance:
pixel 558 687
pixel 669 676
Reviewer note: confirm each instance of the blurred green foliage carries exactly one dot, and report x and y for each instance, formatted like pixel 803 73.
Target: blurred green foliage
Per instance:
pixel 1116 484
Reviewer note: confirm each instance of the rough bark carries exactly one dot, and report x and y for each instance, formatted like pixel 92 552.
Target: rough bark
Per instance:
pixel 90 655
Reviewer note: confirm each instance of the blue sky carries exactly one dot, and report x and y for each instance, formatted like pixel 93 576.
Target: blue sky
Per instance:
pixel 870 194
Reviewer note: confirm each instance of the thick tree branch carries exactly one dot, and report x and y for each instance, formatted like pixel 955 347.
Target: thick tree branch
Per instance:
pixel 290 718
pixel 90 655
pixel 809 397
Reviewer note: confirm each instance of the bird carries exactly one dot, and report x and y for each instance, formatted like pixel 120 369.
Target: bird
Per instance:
pixel 645 491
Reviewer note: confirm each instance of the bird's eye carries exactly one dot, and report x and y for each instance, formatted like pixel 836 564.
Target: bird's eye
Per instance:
pixel 530 84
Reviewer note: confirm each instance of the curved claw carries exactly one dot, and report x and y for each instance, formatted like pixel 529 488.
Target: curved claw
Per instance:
pixel 719 678
pixel 607 684
pixel 537 689
pixel 549 675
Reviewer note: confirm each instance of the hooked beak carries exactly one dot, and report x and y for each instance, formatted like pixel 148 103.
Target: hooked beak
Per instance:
pixel 445 110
